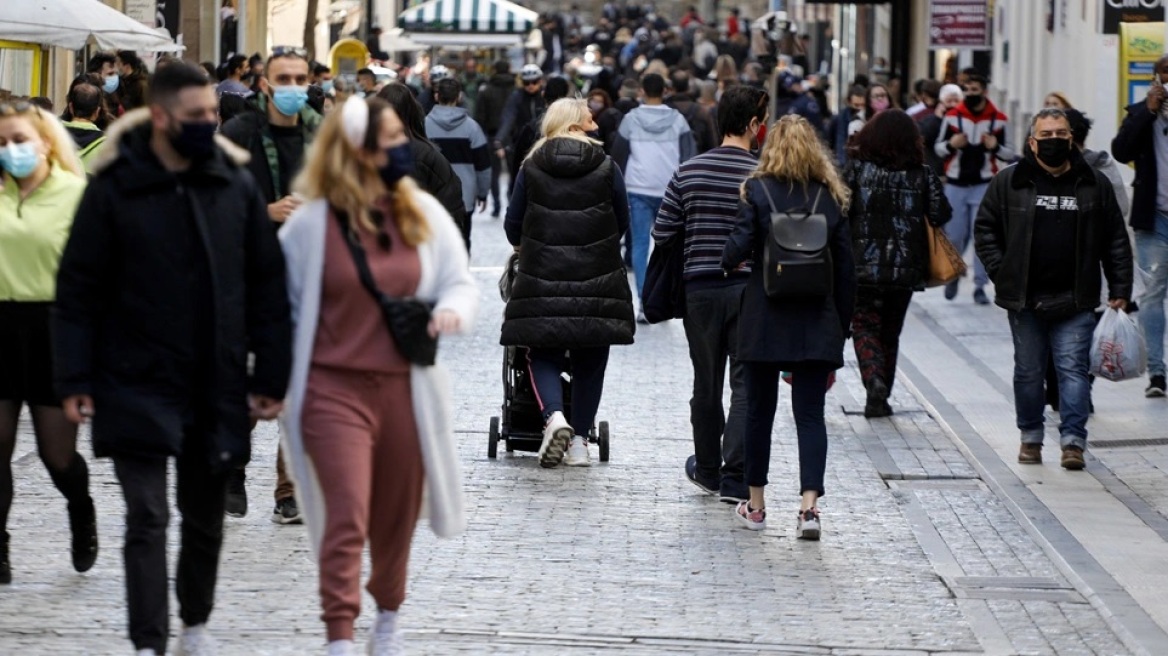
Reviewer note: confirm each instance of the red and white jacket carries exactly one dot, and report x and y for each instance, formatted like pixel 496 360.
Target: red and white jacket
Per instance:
pixel 974 164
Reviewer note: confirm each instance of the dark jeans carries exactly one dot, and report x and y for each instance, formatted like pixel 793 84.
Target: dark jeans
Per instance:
pixel 876 327
pixel 711 327
pixel 1068 340
pixel 200 500
pixel 586 366
pixel 808 391
pixel 496 170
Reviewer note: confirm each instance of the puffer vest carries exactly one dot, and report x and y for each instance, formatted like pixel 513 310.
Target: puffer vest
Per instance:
pixel 571 289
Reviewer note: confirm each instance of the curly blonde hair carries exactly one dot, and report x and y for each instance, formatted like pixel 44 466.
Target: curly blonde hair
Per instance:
pixel 336 171
pixel 62 149
pixel 793 153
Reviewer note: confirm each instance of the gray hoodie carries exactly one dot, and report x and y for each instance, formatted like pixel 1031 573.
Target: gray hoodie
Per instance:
pixel 464 145
pixel 1102 162
pixel 652 142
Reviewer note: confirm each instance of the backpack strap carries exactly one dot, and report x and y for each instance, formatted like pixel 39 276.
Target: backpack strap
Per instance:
pixel 815 206
pixel 765 191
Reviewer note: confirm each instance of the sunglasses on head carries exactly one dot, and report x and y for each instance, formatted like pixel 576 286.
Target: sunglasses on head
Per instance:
pixel 18 107
pixel 290 51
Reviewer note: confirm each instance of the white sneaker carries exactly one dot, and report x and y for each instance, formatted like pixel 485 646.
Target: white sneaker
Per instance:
pixel 556 435
pixel 385 639
pixel 578 453
pixel 146 652
pixel 342 648
pixel 195 641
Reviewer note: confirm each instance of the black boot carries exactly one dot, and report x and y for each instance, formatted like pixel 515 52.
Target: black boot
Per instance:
pixel 83 524
pixel 5 567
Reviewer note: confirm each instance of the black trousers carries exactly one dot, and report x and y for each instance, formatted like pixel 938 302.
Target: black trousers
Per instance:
pixel 496 170
pixel 711 328
pixel 201 495
pixel 808 392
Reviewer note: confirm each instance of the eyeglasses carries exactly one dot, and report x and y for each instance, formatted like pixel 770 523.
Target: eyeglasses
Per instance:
pixel 290 51
pixel 531 83
pixel 18 107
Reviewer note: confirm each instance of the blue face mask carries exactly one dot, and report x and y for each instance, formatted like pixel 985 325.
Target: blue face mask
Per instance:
pixel 290 99
pixel 401 164
pixel 19 159
pixel 111 83
pixel 327 86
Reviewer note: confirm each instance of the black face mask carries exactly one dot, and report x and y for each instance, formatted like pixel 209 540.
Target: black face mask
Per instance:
pixel 194 140
pixel 1054 152
pixel 973 102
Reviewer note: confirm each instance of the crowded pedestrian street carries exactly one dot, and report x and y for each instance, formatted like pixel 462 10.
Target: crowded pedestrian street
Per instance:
pixel 935 541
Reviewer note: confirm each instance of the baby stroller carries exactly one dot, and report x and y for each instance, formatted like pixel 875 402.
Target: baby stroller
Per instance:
pixel 520 424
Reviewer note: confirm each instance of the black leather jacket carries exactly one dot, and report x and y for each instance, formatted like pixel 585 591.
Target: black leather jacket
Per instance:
pixel 1004 230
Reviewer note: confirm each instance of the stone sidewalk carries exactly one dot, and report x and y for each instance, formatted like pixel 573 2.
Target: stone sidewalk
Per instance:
pixel 919 555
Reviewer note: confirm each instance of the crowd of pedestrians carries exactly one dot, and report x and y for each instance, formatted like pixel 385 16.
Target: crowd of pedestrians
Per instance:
pixel 316 247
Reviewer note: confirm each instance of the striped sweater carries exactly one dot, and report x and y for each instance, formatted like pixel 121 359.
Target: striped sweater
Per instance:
pixel 702 199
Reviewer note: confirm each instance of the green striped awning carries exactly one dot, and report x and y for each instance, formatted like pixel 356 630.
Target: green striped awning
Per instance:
pixel 492 16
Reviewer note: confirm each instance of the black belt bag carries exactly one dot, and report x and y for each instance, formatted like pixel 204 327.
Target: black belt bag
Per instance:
pixel 408 318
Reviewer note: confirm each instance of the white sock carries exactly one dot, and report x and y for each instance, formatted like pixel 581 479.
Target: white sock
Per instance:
pixel 340 648
pixel 386 619
pixel 194 630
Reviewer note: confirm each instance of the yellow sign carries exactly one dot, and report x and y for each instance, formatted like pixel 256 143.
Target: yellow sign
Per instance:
pixel 348 56
pixel 22 69
pixel 1141 45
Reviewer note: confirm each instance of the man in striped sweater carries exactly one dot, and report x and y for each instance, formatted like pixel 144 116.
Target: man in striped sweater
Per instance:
pixel 700 206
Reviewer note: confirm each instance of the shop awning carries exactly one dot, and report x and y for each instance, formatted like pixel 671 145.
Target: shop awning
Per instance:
pixel 71 24
pixel 478 16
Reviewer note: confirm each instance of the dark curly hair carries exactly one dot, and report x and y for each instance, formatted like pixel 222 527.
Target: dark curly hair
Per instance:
pixel 889 140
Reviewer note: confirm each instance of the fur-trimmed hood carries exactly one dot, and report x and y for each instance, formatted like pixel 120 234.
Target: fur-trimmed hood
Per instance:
pixel 139 119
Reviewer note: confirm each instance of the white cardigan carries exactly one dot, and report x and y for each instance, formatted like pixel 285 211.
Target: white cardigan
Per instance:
pixel 445 280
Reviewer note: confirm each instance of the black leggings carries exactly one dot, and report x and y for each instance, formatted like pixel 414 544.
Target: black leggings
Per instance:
pixel 56 440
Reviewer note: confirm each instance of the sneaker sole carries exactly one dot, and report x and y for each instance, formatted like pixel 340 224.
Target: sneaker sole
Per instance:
pixel 1154 394
pixel 556 447
pixel 280 519
pixel 577 463
pixel 703 488
pixel 747 524
pixel 808 534
pixel 729 499
pixel 234 514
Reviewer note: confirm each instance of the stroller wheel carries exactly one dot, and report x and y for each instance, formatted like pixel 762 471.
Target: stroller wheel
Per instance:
pixel 603 441
pixel 493 439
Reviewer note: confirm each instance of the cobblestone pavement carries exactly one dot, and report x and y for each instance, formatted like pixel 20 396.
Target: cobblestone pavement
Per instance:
pixel 918 556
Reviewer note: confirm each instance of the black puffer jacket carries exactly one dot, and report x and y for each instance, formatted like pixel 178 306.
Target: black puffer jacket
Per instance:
pixel 1004 230
pixel 435 176
pixel 887 218
pixel 571 290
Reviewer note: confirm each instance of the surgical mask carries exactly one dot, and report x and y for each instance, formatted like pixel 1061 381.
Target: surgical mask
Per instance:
pixel 1054 152
pixel 595 106
pixel 401 164
pixel 326 86
pixel 879 104
pixel 20 159
pixel 111 83
pixel 195 140
pixel 289 99
pixel 972 101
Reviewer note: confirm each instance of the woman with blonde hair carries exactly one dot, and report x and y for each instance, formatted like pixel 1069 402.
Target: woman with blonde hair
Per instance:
pixel 40 187
pixel 803 335
pixel 571 293
pixel 725 73
pixel 376 271
pixel 1057 100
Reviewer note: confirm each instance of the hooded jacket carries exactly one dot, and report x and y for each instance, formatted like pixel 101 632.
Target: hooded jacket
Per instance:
pixel 464 145
pixel 652 142
pixel 1004 232
pixel 1102 162
pixel 571 289
pixel 973 164
pixel 89 139
pixel 118 325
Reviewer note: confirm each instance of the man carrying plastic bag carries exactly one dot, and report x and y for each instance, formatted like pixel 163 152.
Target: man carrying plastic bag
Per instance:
pixel 1118 349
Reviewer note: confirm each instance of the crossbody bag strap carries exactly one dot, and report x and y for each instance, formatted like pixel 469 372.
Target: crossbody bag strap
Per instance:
pixel 359 258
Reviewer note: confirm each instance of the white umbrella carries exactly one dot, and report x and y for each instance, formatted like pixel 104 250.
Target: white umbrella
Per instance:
pixel 395 40
pixel 71 23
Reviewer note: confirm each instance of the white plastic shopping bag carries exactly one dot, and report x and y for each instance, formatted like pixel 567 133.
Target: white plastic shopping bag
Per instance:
pixel 1118 349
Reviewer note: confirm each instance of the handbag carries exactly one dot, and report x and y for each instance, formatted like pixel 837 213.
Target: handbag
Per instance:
pixel 408 319
pixel 945 263
pixel 796 259
pixel 663 297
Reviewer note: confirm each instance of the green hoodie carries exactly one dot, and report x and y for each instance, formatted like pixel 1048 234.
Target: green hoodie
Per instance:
pixel 33 232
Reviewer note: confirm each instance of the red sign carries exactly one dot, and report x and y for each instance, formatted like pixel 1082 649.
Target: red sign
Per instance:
pixel 958 24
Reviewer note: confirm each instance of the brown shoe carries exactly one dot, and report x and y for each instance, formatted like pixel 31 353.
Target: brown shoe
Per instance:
pixel 1073 458
pixel 1030 454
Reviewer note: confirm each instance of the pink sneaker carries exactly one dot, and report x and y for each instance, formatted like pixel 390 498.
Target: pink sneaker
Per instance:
pixel 750 518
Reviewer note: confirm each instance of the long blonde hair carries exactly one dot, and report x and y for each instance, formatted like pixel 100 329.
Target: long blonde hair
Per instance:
pixel 62 148
pixel 793 153
pixel 561 116
pixel 337 172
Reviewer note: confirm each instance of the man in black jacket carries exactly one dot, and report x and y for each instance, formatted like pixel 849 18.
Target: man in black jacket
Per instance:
pixel 276 135
pixel 523 106
pixel 170 278
pixel 1044 228
pixel 1143 139
pixel 493 97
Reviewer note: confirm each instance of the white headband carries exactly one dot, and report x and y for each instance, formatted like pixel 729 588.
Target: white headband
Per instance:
pixel 355 121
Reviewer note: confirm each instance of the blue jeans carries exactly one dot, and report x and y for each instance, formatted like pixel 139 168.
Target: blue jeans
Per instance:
pixel 642 213
pixel 959 230
pixel 1068 342
pixel 1152 252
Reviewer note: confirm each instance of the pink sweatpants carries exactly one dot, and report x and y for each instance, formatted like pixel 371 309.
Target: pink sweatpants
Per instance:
pixel 360 433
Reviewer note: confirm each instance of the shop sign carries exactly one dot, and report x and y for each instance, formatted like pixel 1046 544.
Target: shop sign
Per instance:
pixel 1130 11
pixel 959 24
